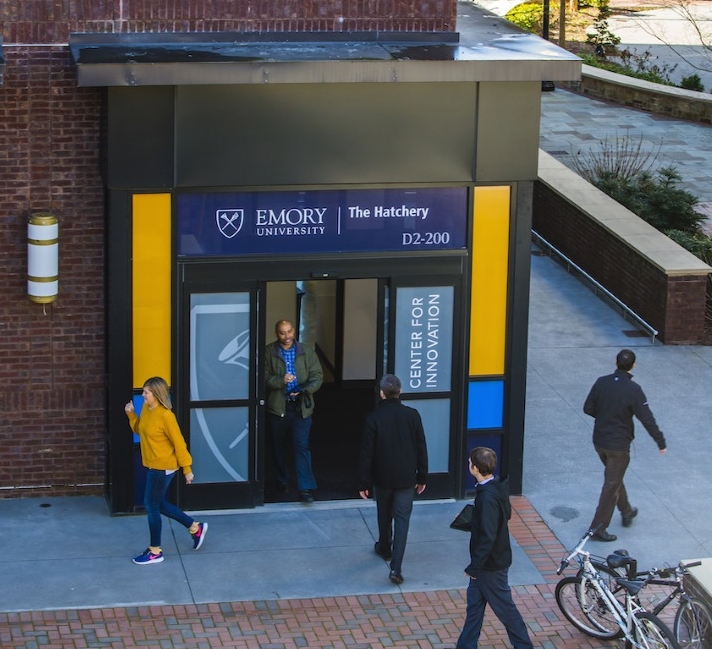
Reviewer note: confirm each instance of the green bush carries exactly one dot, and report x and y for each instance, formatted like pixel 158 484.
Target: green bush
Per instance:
pixel 699 245
pixel 692 82
pixel 528 16
pixel 602 38
pixel 638 66
pixel 656 198
pixel 626 171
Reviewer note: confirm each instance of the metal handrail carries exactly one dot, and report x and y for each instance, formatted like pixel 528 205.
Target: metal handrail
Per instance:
pixel 626 309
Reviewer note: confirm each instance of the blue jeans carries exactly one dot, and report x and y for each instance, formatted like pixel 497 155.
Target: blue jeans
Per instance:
pixel 157 483
pixel 394 507
pixel 492 587
pixel 299 427
pixel 613 492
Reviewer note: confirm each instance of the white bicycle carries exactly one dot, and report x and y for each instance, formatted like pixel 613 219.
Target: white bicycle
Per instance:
pixel 588 601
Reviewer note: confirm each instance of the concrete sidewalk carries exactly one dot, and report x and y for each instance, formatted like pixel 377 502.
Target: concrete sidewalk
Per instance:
pixel 68 553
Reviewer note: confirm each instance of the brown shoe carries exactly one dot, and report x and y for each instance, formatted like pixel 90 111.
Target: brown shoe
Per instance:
pixel 628 520
pixel 604 536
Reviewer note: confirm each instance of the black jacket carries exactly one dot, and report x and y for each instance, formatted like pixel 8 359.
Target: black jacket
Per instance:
pixel 394 454
pixel 613 401
pixel 490 548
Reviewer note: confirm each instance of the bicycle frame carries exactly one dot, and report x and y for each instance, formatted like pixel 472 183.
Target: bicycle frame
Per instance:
pixel 625 617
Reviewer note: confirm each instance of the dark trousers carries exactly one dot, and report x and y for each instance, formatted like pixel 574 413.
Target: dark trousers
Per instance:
pixel 492 587
pixel 394 507
pixel 613 492
pixel 298 428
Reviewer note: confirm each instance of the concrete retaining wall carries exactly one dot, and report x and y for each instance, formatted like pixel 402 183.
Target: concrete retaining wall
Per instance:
pixel 655 277
pixel 644 95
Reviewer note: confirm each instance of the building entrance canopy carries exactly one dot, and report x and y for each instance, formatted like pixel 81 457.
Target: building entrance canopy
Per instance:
pixel 500 51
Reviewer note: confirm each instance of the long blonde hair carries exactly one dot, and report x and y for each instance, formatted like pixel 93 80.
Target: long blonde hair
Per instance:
pixel 159 388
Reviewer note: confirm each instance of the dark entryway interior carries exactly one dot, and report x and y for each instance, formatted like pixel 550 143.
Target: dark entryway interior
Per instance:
pixel 335 443
pixel 340 322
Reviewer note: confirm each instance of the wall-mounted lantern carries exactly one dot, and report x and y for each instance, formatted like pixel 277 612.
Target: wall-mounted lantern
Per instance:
pixel 42 257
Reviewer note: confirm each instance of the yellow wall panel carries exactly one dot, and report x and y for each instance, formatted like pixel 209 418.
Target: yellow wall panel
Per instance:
pixel 151 287
pixel 490 265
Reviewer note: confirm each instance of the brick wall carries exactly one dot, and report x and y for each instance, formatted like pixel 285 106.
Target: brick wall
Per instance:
pixel 52 357
pixel 674 305
pixel 52 408
pixel 47 21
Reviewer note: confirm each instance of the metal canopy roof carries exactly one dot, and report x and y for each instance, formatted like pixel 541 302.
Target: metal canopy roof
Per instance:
pixel 495 51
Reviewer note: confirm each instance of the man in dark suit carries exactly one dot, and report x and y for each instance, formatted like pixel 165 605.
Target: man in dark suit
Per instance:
pixel 490 556
pixel 394 460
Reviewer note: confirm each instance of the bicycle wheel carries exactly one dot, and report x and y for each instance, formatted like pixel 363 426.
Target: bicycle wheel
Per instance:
pixel 582 605
pixel 650 632
pixel 693 624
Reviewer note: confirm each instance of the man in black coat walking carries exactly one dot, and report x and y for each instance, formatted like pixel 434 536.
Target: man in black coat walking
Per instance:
pixel 394 460
pixel 613 401
pixel 490 556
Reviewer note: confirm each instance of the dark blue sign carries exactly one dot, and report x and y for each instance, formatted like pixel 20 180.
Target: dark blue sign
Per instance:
pixel 321 221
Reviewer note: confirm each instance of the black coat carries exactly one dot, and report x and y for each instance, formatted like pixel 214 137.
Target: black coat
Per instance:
pixel 490 548
pixel 613 401
pixel 394 454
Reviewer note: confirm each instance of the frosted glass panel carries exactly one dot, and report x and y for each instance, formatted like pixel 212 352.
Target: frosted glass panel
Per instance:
pixel 423 347
pixel 219 444
pixel 435 414
pixel 219 346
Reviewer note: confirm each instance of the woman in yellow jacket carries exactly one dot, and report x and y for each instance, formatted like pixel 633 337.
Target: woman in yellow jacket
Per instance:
pixel 163 452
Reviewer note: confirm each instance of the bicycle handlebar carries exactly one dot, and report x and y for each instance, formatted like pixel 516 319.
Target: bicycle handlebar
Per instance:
pixel 577 550
pixel 667 571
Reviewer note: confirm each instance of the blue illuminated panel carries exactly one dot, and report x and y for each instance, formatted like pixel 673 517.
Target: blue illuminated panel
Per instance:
pixel 485 404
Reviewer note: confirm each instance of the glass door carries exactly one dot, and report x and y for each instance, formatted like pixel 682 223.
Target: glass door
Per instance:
pixel 218 372
pixel 421 348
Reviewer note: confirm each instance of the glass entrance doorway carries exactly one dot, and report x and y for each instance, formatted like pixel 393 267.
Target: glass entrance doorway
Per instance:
pixel 343 320
pixel 360 328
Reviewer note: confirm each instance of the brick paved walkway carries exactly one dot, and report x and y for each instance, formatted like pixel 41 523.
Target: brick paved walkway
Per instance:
pixel 428 620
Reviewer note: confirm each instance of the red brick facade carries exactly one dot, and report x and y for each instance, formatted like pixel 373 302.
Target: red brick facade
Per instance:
pixel 52 384
pixel 44 21
pixel 674 305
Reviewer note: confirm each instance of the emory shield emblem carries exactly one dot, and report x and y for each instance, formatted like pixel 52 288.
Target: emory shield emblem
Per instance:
pixel 229 221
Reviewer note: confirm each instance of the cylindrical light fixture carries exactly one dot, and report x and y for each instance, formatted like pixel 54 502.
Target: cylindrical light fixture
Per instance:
pixel 42 257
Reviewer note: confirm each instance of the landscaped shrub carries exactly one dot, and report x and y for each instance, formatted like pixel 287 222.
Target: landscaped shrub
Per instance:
pixel 639 66
pixel 626 171
pixel 528 15
pixel 692 82
pixel 656 198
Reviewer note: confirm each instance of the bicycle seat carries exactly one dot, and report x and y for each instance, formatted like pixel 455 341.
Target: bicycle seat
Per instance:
pixel 617 560
pixel 633 586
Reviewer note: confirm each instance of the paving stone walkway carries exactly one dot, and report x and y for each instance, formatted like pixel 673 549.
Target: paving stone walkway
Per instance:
pixel 428 620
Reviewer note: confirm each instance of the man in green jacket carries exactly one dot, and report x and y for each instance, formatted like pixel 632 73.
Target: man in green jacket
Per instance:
pixel 292 375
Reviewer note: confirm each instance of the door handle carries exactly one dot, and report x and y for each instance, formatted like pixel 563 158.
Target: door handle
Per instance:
pixel 262 402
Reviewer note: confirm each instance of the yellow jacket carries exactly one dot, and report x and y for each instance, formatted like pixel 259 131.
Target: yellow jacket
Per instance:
pixel 162 443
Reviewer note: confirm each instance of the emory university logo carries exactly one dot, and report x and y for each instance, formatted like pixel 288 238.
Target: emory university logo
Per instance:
pixel 229 221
